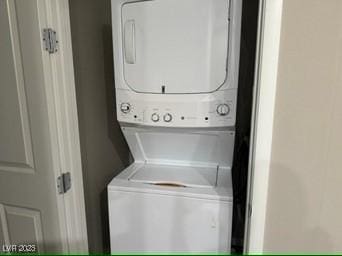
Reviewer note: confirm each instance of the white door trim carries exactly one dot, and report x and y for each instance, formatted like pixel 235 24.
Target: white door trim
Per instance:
pixel 266 72
pixel 61 97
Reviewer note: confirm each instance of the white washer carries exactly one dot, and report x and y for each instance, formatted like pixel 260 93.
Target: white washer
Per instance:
pixel 163 203
pixel 176 73
pixel 152 218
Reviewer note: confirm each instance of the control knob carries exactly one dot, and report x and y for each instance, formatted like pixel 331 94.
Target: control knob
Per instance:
pixel 223 109
pixel 167 117
pixel 155 117
pixel 125 107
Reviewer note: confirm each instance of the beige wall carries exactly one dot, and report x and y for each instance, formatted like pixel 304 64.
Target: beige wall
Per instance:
pixel 104 151
pixel 304 206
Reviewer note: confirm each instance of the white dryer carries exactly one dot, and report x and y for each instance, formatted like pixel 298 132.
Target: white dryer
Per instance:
pixel 176 73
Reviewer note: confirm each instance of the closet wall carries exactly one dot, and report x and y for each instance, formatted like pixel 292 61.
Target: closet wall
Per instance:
pixel 304 206
pixel 104 150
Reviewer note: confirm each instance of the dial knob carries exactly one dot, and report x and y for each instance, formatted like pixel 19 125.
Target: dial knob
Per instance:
pixel 125 107
pixel 155 117
pixel 223 109
pixel 167 117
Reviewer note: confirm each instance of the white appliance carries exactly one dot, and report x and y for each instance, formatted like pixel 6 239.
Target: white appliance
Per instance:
pixel 176 77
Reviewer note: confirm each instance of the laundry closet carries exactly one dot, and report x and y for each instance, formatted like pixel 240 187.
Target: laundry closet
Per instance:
pixel 164 91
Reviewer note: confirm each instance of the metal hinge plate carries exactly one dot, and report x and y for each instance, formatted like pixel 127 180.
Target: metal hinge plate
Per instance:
pixel 50 40
pixel 64 183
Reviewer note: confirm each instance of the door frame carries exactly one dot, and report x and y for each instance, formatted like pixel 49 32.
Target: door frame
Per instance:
pixel 62 109
pixel 264 93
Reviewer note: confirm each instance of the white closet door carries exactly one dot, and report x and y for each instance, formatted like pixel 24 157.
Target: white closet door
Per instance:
pixel 29 202
pixel 175 46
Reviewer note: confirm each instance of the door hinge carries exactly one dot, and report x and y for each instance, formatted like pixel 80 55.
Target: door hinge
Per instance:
pixel 50 40
pixel 64 183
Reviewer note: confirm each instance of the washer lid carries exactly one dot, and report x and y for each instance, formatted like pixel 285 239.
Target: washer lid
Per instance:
pixel 175 46
pixel 189 147
pixel 179 176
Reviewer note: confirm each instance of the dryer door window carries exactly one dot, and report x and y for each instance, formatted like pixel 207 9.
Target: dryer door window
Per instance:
pixel 175 46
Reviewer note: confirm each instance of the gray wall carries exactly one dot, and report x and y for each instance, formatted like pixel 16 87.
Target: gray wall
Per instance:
pixel 304 205
pixel 104 151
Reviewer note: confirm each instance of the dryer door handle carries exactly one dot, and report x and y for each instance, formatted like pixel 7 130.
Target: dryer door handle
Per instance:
pixel 129 41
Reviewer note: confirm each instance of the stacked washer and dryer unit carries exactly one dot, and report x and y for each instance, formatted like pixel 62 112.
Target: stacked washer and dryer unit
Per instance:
pixel 176 78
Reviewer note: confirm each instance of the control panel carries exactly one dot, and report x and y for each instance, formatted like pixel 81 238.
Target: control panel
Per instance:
pixel 178 110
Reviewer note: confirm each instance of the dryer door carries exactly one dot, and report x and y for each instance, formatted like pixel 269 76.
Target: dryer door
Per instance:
pixel 175 46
